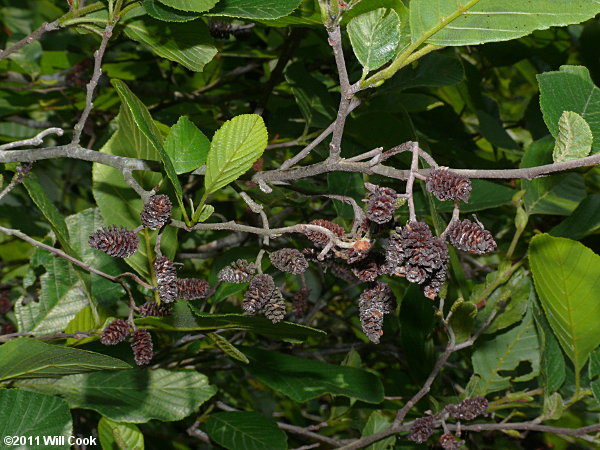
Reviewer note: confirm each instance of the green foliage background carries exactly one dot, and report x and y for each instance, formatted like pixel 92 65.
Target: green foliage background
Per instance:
pixel 489 99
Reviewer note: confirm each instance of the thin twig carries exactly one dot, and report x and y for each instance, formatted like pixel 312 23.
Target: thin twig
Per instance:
pixel 75 261
pixel 36 140
pixel 44 28
pixel 91 86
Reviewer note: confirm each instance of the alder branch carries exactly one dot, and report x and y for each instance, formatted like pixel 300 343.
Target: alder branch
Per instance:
pixel 91 86
pixel 44 28
pixel 271 232
pixel 279 176
pixel 47 337
pixel 346 94
pixel 71 259
pixel 38 139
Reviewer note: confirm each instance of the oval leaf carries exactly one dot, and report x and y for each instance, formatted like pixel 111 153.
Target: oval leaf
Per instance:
pixel 255 9
pixel 188 44
pixel 119 435
pixel 167 14
pixel 190 5
pixel 234 148
pixel 303 379
pixel 227 347
pixel 570 89
pixel 135 396
pixel 29 358
pixel 471 22
pixel 25 413
pixel 187 146
pixel 574 138
pixel 567 280
pixel 245 430
pixel 374 37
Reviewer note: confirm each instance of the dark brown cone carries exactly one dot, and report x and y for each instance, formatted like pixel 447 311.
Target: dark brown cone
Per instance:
pixel 352 256
pixel 468 409
pixel 192 288
pixel 421 430
pixel 166 278
pixel 434 284
pixel 321 239
pixel 165 270
pixel 141 344
pixel 447 185
pixel 447 442
pixel 151 309
pixel 114 332
pixel 259 293
pixel 275 308
pixel 239 271
pixel 372 305
pixel 289 260
pixel 116 242
pixel 471 237
pixel 381 203
pixel 413 252
pixel 156 212
pixel 300 301
pixel 366 270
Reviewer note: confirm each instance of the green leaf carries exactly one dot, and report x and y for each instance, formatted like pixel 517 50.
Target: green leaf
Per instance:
pixel 238 430
pixel 116 436
pixel 555 194
pixel 234 148
pixel 206 212
pixel 167 14
pixel 552 370
pixel 567 280
pixel 84 321
pixel 374 37
pixel 463 319
pixel 187 146
pixel 508 301
pixel 36 415
pixel 188 44
pixel 553 407
pixel 190 5
pixel 570 89
pixel 303 379
pixel 284 331
pixel 29 358
pixel 584 221
pixel 472 22
pixel 227 347
pixel 255 9
pixel 594 374
pixel 135 396
pixel 62 296
pixel 375 423
pixel 144 121
pixel 574 138
pixel 50 212
pixel 495 360
pixel 434 70
pixel 81 226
